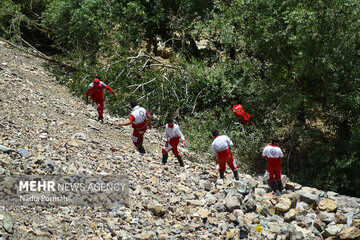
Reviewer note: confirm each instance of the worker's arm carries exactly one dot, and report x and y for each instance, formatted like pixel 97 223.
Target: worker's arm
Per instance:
pixel 166 138
pixel 215 159
pixel 108 88
pixel 131 119
pixel 181 136
pixel 126 123
pixel 87 95
pixel 264 154
pixel 213 153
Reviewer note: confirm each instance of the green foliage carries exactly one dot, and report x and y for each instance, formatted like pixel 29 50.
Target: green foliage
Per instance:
pixel 308 58
pixel 11 18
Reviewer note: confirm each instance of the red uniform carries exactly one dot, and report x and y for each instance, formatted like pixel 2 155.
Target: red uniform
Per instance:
pixel 221 148
pixel 97 95
pixel 172 139
pixel 139 124
pixel 244 117
pixel 273 154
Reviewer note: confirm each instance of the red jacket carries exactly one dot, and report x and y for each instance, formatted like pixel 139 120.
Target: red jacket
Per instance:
pixel 97 92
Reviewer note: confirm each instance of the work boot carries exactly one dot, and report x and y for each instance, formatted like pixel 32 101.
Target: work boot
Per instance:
pixel 141 149
pixel 236 174
pixel 165 158
pixel 180 161
pixel 101 119
pixel 273 186
pixel 222 174
pixel 220 181
pixel 280 186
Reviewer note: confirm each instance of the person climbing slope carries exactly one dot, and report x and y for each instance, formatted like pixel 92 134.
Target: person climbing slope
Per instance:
pixel 221 153
pixel 97 95
pixel 273 154
pixel 140 119
pixel 243 117
pixel 172 138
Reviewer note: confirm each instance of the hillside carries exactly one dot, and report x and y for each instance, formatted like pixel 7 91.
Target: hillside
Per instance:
pixel 58 135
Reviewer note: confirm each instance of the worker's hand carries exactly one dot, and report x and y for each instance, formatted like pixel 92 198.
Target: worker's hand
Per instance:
pixel 150 126
pixel 184 143
pixel 115 95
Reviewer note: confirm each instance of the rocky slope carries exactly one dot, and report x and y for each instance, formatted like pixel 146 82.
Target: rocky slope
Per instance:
pixel 55 133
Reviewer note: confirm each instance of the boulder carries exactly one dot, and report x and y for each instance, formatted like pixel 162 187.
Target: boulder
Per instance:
pixel 283 205
pixel 327 205
pixel 309 195
pixel 326 217
pixel 231 203
pixel 350 233
pixel 332 230
pixel 290 215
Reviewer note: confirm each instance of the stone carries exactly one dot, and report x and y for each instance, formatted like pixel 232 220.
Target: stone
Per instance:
pixel 80 136
pixel 230 218
pixel 208 185
pixel 319 225
pixel 43 135
pixel 182 188
pixel 305 232
pixel 302 206
pixel 295 234
pixel 274 227
pixel 197 202
pixel 232 203
pixel 259 191
pixel 203 213
pixel 356 223
pixel 309 195
pixel 327 205
pixel 229 235
pixel 220 207
pixel 341 219
pixel 326 217
pixel 332 230
pixel 238 212
pixel 243 186
pixel 164 237
pixel 350 233
pixel 290 186
pixel 249 203
pixel 5 149
pixel 290 215
pixel 157 209
pixel 249 218
pixel 23 152
pixel 146 236
pixel 283 205
pixel 74 143
pixel 8 224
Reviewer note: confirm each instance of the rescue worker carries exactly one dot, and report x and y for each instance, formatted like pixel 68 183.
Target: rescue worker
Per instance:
pixel 243 117
pixel 140 120
pixel 172 138
pixel 221 153
pixel 273 154
pixel 97 95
